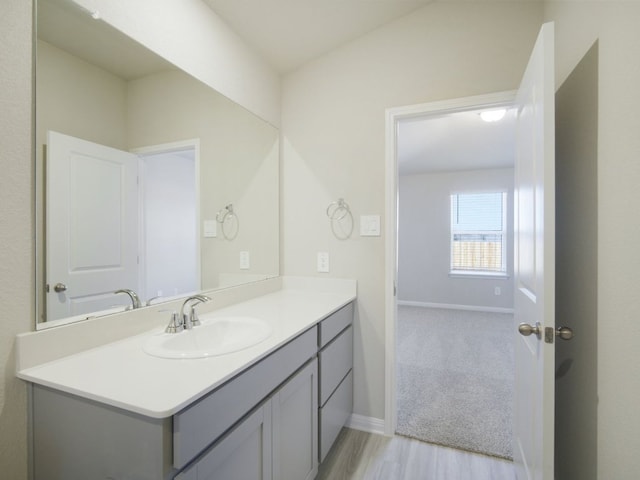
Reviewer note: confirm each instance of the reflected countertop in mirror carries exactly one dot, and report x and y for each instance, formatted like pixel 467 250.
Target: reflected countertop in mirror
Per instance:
pixel 147 179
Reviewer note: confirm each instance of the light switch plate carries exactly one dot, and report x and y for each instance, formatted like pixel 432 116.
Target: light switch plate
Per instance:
pixel 369 225
pixel 210 228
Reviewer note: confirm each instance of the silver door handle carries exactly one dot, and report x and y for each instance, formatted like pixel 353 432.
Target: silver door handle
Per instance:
pixel 565 333
pixel 525 329
pixel 60 287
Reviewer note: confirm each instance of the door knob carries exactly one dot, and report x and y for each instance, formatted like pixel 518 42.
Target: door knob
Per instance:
pixel 525 329
pixel 564 333
pixel 60 287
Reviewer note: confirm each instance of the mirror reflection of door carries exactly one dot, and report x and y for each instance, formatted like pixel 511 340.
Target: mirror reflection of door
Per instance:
pixel 92 226
pixel 113 220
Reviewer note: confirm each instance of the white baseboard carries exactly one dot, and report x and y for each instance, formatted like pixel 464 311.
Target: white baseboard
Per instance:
pixel 474 308
pixel 366 424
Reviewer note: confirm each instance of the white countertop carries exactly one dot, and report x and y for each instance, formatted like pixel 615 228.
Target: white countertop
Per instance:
pixel 120 374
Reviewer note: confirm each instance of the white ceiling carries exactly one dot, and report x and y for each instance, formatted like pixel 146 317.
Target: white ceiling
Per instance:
pixel 70 28
pixel 457 141
pixel 289 33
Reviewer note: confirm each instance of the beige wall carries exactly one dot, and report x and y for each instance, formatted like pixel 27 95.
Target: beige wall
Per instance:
pixel 424 239
pixel 79 99
pixel 333 119
pixel 16 262
pixel 615 26
pixel 576 394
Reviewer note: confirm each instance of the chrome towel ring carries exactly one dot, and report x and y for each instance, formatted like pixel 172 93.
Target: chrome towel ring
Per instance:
pixel 229 222
pixel 341 219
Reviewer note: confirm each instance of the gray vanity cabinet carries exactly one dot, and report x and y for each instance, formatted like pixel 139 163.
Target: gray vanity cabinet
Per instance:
pixel 275 420
pixel 278 440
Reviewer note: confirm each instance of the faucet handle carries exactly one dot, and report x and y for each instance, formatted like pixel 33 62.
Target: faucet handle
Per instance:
pixel 176 324
pixel 191 319
pixel 195 321
pixel 148 302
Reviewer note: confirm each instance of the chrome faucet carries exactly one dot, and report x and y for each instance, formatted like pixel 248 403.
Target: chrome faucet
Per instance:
pixel 181 321
pixel 135 300
pixel 191 320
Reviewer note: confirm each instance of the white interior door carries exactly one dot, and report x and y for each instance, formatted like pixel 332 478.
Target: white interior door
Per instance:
pixel 91 226
pixel 535 265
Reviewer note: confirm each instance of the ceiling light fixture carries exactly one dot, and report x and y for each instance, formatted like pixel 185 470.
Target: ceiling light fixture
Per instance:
pixel 493 115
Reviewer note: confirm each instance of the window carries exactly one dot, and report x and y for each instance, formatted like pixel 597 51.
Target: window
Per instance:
pixel 478 233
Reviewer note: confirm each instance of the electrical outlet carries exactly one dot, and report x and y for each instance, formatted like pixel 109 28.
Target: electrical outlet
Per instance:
pixel 244 261
pixel 323 262
pixel 497 291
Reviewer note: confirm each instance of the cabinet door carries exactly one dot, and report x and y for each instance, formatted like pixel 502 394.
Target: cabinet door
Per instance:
pixel 295 426
pixel 200 424
pixel 242 454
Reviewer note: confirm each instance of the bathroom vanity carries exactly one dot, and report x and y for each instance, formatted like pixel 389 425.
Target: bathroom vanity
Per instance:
pixel 270 411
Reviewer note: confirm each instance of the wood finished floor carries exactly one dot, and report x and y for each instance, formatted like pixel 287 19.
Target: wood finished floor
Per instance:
pixel 364 456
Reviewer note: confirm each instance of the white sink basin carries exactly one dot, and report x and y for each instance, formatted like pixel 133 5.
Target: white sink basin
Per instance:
pixel 216 336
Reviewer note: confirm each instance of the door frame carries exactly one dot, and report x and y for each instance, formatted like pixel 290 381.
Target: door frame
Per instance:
pixel 392 116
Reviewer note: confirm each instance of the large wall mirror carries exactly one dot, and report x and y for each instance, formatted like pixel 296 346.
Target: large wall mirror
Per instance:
pixel 147 180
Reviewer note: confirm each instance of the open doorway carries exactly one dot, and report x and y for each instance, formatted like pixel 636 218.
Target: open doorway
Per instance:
pixel 454 275
pixel 169 219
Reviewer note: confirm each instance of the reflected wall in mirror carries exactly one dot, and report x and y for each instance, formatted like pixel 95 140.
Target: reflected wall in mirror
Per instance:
pixel 137 163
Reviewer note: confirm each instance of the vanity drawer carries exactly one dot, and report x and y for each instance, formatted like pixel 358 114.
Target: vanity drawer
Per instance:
pixel 334 415
pixel 200 424
pixel 336 359
pixel 334 324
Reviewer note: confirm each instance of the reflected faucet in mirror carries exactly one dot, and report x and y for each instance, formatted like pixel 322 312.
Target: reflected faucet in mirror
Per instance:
pixel 135 300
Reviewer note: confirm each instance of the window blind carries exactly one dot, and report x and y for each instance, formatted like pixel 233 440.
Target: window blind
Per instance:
pixel 478 232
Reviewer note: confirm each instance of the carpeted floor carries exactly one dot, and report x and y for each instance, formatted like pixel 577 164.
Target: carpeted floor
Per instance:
pixel 455 378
